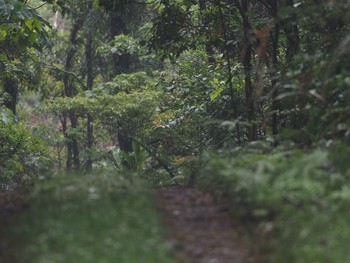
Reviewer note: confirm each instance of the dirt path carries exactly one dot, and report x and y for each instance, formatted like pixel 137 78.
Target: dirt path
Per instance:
pixel 200 229
pixel 11 204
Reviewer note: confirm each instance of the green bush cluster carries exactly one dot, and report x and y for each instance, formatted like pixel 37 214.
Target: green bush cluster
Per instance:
pixel 21 153
pixel 297 200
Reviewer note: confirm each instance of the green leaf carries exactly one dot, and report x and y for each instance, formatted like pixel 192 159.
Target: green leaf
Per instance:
pixel 3 58
pixel 6 116
pixel 6 9
pixel 29 24
pixel 3 35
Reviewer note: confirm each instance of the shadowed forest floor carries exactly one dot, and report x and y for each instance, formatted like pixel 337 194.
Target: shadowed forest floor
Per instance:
pixel 200 229
pixel 11 205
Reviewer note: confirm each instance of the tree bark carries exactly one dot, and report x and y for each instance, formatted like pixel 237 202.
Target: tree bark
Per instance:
pixel 233 104
pixel 246 58
pixel 11 90
pixel 122 62
pixel 69 160
pixel 89 85
pixel 202 4
pixel 72 145
pixel 273 76
pixel 121 65
pixel 291 30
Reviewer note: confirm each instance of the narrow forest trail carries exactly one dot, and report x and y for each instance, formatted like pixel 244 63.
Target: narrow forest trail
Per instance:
pixel 200 229
pixel 11 204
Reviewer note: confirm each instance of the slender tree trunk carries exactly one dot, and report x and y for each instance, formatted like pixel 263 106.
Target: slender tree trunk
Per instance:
pixel 69 160
pixel 204 21
pixel 75 145
pixel 274 40
pixel 72 145
pixel 291 30
pixel 233 104
pixel 89 85
pixel 246 58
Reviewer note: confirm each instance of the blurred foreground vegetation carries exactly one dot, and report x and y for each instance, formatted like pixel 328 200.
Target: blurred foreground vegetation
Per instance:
pixel 99 217
pixel 294 202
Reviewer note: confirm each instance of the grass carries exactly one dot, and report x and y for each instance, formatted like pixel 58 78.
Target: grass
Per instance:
pixel 99 218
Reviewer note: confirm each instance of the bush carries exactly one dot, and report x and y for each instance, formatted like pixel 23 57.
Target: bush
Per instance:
pixel 296 199
pixel 21 153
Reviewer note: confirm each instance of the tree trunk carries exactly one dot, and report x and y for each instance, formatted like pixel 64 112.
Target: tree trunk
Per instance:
pixel 121 65
pixel 233 104
pixel 122 62
pixel 291 30
pixel 69 160
pixel 202 4
pixel 89 85
pixel 75 145
pixel 273 77
pixel 11 89
pixel 72 145
pixel 246 58
pixel 124 142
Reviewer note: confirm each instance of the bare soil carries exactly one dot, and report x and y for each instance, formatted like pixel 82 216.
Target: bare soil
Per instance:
pixel 200 229
pixel 12 202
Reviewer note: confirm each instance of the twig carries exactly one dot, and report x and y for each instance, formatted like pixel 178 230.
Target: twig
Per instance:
pixel 40 6
pixel 67 72
pixel 160 161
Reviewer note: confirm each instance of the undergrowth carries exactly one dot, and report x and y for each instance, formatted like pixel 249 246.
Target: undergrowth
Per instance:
pixel 296 201
pixel 102 217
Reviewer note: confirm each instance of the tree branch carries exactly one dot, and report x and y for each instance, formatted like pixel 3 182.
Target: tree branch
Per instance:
pixel 67 72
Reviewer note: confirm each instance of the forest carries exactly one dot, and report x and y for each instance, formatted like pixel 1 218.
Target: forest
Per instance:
pixel 146 131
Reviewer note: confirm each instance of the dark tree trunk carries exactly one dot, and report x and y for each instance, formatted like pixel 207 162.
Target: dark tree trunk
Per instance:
pixel 75 145
pixel 72 145
pixel 246 58
pixel 69 160
pixel 274 40
pixel 11 89
pixel 121 65
pixel 204 21
pixel 291 30
pixel 122 62
pixel 233 104
pixel 89 84
pixel 125 142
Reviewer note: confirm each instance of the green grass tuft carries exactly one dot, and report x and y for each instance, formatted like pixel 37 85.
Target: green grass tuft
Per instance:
pixel 97 218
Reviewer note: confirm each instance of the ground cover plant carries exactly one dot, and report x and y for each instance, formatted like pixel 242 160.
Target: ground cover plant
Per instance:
pixel 100 217
pixel 295 201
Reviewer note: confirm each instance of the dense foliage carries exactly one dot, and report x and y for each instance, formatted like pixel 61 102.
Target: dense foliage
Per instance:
pixel 295 201
pixel 246 98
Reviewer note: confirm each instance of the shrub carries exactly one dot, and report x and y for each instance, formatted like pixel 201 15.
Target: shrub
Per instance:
pixel 21 153
pixel 296 199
